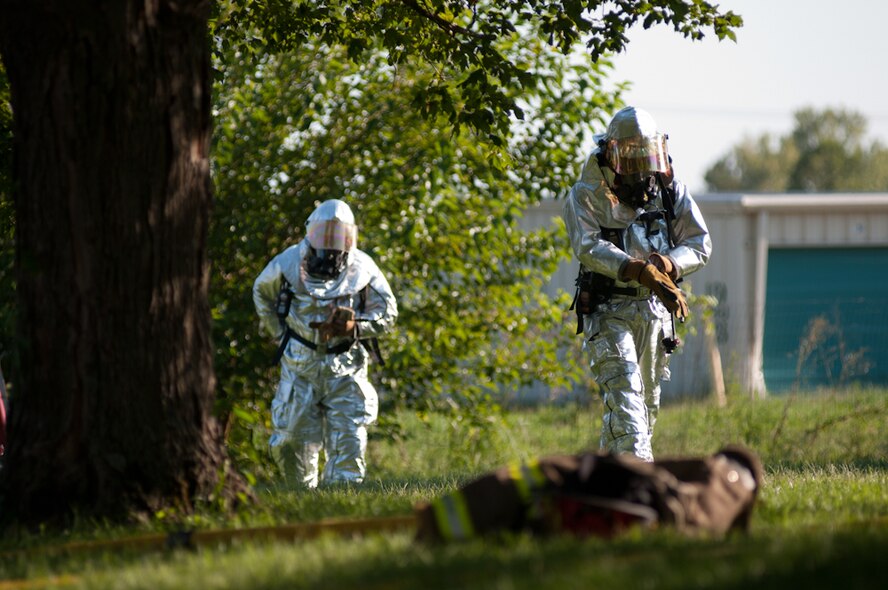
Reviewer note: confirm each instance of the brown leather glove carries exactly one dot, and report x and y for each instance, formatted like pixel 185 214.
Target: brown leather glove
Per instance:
pixel 340 323
pixel 647 274
pixel 664 265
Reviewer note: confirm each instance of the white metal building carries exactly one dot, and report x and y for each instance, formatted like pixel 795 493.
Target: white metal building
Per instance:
pixel 779 261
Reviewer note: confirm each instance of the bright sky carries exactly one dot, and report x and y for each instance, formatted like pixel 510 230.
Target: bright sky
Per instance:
pixel 790 54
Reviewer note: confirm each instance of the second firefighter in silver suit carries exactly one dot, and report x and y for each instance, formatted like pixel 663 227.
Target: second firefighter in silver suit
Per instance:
pixel 336 302
pixel 623 233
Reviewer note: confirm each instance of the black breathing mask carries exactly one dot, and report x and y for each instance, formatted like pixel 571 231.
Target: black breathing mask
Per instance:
pixel 325 264
pixel 636 190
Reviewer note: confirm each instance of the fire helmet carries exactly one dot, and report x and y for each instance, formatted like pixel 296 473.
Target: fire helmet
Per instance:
pixel 636 151
pixel 331 233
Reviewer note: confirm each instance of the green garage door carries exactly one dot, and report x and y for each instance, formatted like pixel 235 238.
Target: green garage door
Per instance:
pixel 826 318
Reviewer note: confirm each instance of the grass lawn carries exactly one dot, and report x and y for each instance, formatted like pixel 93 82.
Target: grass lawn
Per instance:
pixel 822 521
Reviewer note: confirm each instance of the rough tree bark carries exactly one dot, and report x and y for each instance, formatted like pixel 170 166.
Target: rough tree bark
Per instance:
pixel 111 122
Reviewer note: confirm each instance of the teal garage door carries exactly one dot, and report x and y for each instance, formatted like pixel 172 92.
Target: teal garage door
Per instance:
pixel 826 318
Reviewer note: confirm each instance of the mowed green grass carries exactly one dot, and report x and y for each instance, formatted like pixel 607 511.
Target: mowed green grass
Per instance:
pixel 822 521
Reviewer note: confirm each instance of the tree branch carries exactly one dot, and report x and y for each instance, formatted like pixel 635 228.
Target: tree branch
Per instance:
pixel 448 27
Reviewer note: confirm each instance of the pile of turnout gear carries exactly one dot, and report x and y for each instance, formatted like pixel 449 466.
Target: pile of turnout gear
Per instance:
pixel 600 494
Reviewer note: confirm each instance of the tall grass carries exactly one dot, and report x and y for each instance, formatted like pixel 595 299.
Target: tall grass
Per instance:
pixel 822 521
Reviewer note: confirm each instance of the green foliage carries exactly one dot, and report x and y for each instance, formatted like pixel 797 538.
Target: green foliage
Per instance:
pixel 821 428
pixel 825 151
pixel 440 207
pixel 7 232
pixel 478 83
pixel 821 519
pixel 839 556
pixel 370 102
pixel 439 211
pixel 5 139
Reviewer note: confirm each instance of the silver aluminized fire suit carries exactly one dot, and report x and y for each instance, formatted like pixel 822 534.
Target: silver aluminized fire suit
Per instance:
pixel 324 400
pixel 624 336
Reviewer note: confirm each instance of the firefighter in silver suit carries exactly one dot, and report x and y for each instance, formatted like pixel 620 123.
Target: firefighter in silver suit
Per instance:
pixel 636 232
pixel 326 301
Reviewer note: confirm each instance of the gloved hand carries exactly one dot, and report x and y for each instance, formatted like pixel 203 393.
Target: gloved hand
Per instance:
pixel 647 274
pixel 340 323
pixel 664 265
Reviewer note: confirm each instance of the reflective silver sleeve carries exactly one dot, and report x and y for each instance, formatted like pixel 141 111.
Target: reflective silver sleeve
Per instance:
pixel 380 310
pixel 265 292
pixel 693 244
pixel 584 231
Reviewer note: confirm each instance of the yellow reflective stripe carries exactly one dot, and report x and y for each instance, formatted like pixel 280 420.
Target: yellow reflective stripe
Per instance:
pixel 527 477
pixel 462 514
pixel 452 516
pixel 516 472
pixel 441 518
pixel 536 473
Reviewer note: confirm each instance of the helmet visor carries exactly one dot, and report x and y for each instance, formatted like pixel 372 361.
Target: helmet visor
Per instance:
pixel 332 234
pixel 638 154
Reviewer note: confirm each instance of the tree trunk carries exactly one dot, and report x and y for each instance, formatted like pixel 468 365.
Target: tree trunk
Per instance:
pixel 111 123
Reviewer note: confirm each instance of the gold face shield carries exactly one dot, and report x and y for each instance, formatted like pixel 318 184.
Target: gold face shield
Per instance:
pixel 332 234
pixel 638 154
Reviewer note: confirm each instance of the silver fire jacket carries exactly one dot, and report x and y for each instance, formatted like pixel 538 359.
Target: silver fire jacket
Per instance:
pixel 591 206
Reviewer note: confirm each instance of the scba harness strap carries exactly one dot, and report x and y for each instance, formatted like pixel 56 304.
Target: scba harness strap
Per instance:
pixel 282 308
pixel 338 349
pixel 593 289
pixel 371 345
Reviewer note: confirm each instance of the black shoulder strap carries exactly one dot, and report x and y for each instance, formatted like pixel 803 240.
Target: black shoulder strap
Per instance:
pixel 284 300
pixel 282 346
pixel 362 298
pixel 370 344
pixel 669 205
pixel 615 235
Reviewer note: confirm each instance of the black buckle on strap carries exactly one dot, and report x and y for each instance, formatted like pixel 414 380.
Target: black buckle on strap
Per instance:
pixel 323 348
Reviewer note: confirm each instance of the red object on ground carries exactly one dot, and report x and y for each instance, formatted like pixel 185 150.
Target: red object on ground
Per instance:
pixel 602 517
